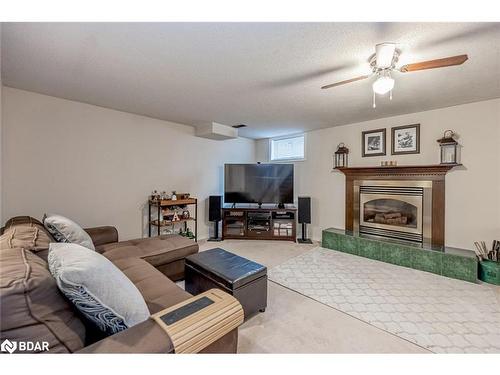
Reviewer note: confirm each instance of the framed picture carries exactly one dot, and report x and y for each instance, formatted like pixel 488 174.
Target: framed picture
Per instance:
pixel 374 142
pixel 405 139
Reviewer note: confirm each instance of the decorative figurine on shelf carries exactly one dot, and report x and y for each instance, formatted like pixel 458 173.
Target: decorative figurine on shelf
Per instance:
pixel 185 214
pixel 168 216
pixel 341 156
pixel 153 195
pixel 175 217
pixel 174 196
pixel 449 148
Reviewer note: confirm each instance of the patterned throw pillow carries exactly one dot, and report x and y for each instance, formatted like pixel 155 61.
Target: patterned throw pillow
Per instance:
pixel 66 230
pixel 97 288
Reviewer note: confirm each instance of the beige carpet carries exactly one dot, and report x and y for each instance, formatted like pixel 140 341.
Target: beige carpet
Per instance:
pixel 294 323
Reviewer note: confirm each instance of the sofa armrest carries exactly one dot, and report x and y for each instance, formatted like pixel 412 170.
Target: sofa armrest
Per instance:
pixel 196 323
pixel 145 337
pixel 102 235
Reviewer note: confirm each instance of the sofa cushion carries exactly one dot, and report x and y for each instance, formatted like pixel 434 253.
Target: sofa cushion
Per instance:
pixel 29 237
pixel 159 291
pixel 155 250
pixel 25 220
pixel 96 287
pixel 31 306
pixel 66 230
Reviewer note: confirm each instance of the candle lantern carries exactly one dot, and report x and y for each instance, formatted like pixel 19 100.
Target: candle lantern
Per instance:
pixel 449 148
pixel 341 156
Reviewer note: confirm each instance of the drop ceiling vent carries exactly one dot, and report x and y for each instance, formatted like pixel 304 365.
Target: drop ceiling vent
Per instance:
pixel 216 131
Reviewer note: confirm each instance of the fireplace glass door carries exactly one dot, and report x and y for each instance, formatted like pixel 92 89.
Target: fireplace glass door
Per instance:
pixel 391 212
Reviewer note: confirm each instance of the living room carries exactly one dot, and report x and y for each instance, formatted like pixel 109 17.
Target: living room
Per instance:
pixel 250 187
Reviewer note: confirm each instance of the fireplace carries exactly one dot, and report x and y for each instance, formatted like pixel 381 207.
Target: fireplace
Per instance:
pixel 414 201
pixel 393 209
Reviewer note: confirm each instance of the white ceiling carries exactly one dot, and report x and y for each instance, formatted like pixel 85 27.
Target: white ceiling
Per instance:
pixel 265 75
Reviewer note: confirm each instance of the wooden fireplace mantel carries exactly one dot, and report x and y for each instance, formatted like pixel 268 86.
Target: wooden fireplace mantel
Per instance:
pixel 402 171
pixel 434 173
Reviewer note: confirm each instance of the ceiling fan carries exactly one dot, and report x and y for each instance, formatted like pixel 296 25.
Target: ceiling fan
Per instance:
pixel 383 64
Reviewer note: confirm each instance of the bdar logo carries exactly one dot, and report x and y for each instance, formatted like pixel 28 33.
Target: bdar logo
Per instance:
pixel 24 346
pixel 8 346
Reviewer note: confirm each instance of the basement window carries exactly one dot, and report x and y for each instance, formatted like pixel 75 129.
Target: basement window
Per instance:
pixel 288 148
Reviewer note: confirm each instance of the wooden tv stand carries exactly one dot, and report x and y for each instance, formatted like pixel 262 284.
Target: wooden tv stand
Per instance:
pixel 259 223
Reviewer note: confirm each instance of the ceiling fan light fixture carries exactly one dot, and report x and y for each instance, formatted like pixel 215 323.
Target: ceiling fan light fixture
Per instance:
pixel 384 55
pixel 383 85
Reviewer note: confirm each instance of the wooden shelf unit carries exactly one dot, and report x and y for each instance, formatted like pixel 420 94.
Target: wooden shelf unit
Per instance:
pixel 242 223
pixel 166 223
pixel 168 204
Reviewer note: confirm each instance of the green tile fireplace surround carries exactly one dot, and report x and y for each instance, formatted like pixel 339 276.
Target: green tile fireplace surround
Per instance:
pixel 451 262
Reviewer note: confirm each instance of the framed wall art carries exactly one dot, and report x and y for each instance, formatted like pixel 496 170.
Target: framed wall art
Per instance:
pixel 373 142
pixel 405 139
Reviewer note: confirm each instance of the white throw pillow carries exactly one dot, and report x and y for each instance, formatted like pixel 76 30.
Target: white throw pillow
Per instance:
pixel 66 230
pixel 96 287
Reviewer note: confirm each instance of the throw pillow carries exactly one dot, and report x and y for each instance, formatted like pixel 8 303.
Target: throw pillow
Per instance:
pixel 97 288
pixel 66 230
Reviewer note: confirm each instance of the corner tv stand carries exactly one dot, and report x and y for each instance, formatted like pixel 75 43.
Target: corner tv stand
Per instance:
pixel 252 223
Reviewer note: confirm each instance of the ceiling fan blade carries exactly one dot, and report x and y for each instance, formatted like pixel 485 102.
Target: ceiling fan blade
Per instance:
pixel 344 82
pixel 432 64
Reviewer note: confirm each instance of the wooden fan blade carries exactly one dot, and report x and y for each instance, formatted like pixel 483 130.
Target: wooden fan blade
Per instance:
pixel 344 82
pixel 432 64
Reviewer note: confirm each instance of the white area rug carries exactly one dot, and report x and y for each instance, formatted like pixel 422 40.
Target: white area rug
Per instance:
pixel 441 314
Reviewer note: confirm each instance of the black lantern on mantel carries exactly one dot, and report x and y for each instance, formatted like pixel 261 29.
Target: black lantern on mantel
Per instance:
pixel 449 148
pixel 341 156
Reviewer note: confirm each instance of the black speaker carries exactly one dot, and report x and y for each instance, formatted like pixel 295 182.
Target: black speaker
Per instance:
pixel 305 210
pixel 214 208
pixel 215 214
pixel 304 218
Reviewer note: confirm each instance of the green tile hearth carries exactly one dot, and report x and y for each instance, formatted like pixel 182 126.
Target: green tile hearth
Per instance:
pixel 396 254
pixel 451 262
pixel 348 244
pixel 427 260
pixel 458 267
pixel 369 249
pixel 329 240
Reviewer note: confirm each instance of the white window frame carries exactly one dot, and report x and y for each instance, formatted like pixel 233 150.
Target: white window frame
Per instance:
pixel 284 160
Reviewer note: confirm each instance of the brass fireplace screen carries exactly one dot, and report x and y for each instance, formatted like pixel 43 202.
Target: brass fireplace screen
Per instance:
pixel 394 209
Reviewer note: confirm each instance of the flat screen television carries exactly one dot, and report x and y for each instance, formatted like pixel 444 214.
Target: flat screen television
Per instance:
pixel 258 183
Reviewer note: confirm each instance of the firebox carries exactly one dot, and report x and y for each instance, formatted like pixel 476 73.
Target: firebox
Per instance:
pixel 394 209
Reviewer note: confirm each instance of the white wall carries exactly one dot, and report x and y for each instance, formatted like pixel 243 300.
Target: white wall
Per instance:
pixel 98 166
pixel 472 192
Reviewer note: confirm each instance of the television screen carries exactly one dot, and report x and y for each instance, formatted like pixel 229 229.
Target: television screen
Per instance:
pixel 258 183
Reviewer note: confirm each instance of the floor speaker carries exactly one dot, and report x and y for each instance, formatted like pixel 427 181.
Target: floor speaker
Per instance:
pixel 305 210
pixel 304 217
pixel 215 214
pixel 214 208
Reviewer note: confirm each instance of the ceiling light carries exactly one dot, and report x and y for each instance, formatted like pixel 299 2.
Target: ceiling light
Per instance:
pixel 383 85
